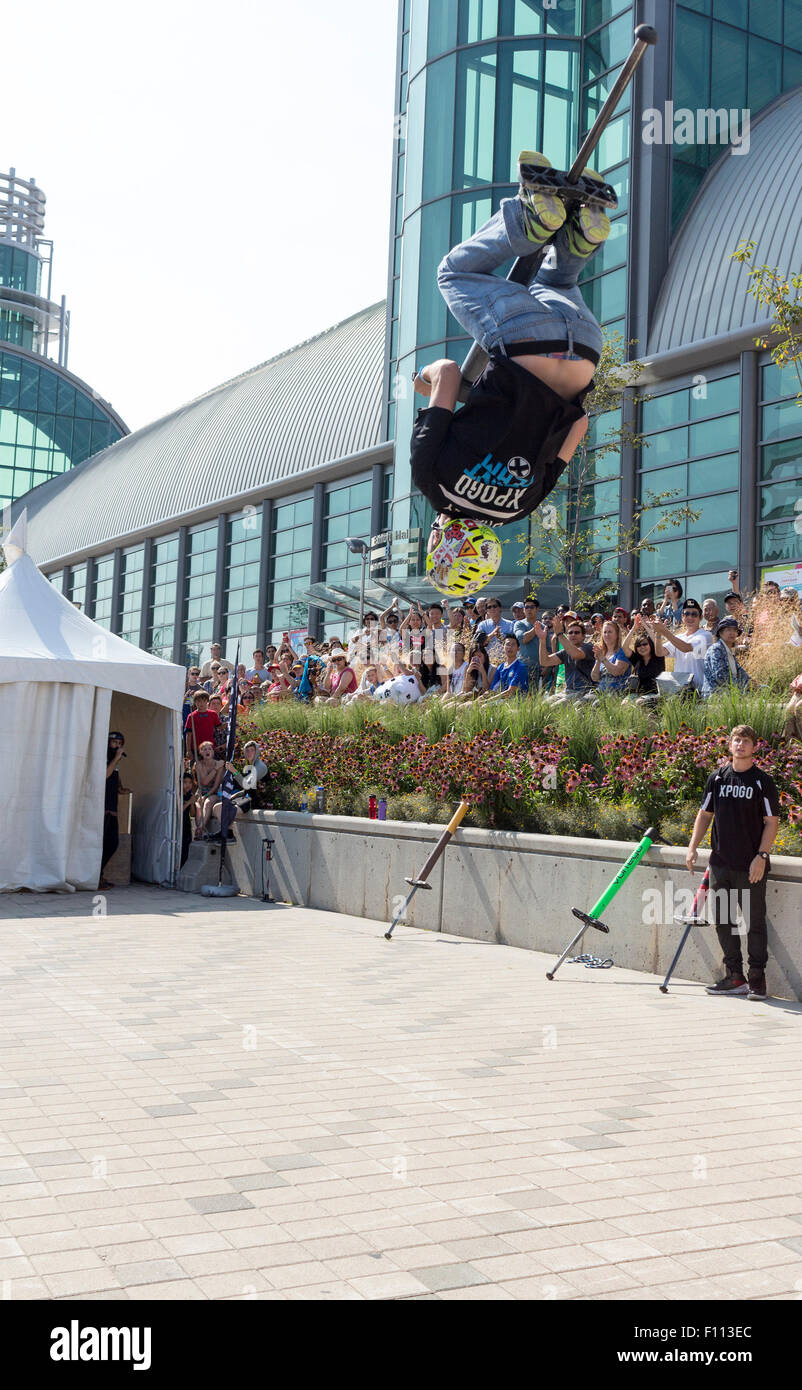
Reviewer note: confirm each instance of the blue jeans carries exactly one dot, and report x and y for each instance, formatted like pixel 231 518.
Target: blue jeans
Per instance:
pixel 495 311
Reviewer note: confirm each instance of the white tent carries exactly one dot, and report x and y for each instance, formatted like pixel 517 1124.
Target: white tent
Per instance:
pixel 64 682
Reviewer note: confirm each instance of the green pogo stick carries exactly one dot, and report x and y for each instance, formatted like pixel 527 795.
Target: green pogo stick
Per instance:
pixel 591 919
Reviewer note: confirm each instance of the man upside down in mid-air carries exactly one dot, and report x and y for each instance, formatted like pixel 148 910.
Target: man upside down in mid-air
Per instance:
pixel 495 460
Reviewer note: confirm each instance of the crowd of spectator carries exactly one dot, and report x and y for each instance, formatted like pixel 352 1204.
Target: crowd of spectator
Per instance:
pixel 472 650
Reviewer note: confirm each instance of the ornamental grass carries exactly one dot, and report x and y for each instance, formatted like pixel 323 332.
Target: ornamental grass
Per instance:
pixel 599 771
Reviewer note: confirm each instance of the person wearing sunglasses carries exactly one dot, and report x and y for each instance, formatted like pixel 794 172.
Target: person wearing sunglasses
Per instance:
pixel 494 625
pixel 526 633
pixel 577 656
pixel 339 679
pixel 647 651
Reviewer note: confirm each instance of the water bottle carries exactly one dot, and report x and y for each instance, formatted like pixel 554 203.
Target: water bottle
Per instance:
pixel 320 800
pixel 372 813
pixel 304 806
pixel 382 808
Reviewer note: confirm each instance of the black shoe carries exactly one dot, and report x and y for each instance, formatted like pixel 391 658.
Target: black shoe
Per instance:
pixel 731 984
pixel 757 985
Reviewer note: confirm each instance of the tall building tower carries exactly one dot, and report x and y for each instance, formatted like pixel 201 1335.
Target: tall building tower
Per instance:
pixel 477 80
pixel 49 419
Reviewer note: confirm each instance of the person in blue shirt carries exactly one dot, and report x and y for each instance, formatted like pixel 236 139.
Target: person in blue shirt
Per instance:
pixel 721 668
pixel 512 677
pixel 671 611
pixel 526 633
pixel 494 620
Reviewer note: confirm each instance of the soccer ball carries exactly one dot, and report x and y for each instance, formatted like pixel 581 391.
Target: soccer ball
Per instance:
pixel 466 559
pixel 401 690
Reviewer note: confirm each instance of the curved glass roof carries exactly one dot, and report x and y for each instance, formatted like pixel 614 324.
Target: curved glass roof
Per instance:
pixel 744 197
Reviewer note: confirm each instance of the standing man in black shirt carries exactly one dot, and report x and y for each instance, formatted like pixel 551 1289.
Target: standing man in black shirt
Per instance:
pixel 497 458
pixel 742 802
pixel 111 829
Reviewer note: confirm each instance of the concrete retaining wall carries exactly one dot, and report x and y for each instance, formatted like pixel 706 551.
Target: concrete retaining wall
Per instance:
pixel 509 888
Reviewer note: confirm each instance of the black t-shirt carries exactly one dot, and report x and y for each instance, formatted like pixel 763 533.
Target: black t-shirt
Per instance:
pixel 647 672
pixel 497 457
pixel 112 790
pixel 739 802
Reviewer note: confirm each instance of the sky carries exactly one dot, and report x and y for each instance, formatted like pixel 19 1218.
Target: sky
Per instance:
pixel 217 178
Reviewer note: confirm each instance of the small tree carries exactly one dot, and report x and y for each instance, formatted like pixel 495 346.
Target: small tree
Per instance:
pixel 782 296
pixel 563 544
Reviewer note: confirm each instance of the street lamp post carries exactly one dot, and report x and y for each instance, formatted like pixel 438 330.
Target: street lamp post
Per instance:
pixel 359 547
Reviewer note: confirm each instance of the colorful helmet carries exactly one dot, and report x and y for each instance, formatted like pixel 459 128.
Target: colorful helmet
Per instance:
pixel 466 558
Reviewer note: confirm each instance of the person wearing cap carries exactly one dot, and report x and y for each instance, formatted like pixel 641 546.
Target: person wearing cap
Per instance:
pixel 720 667
pixel 734 605
pixel 691 643
pixel 529 641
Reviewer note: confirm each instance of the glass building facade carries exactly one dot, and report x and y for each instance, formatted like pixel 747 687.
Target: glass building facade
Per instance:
pixel 47 424
pixel 243 541
pixel 162 587
pixel 290 566
pixel 780 473
pixel 691 442
pixel 131 588
pixel 732 54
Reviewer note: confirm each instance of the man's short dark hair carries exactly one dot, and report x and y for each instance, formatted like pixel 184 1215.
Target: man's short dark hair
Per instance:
pixel 745 731
pixel 510 637
pixel 530 598
pixel 435 605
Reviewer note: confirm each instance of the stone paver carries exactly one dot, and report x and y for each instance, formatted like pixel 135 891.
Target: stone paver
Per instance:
pixel 208 1099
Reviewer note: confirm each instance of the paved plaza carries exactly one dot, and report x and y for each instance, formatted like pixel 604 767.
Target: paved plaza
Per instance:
pixel 209 1099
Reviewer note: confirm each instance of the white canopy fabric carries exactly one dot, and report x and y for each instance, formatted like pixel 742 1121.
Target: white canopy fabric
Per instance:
pixel 62 679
